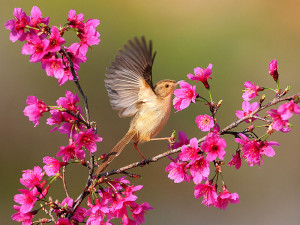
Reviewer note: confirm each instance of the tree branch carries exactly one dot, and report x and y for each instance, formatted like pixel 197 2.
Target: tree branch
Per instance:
pixel 170 152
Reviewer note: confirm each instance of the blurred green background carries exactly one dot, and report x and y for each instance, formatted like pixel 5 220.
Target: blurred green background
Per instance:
pixel 238 37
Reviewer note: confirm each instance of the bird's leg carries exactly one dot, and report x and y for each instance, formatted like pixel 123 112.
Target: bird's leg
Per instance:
pixel 171 140
pixel 136 148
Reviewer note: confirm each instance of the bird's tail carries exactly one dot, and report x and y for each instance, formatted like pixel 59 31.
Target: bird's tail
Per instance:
pixel 116 151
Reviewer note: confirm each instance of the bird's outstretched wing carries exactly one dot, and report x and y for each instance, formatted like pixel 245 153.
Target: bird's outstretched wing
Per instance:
pixel 130 76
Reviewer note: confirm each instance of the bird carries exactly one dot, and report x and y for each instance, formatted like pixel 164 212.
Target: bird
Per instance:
pixel 131 91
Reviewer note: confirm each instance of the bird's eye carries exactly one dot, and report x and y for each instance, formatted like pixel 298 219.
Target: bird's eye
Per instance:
pixel 166 85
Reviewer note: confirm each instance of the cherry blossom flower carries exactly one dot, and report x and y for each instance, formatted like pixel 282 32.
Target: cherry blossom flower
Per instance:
pixel 251 91
pixel 190 153
pixel 214 147
pixel 75 21
pixel 78 214
pixel 184 96
pixel 53 66
pixel 138 212
pixel 87 139
pixel 205 122
pixel 35 109
pixel 208 191
pixel 32 178
pixel 247 109
pixel 70 152
pixel 36 17
pixel 236 160
pixel 178 171
pixel 55 40
pixel 200 170
pixel 278 123
pixel 225 197
pixel 69 102
pixel 201 75
pixel 287 109
pixel 273 69
pixel 52 166
pixel 253 150
pixel 17 26
pixel 63 221
pixel 25 218
pixel 36 47
pixel 26 200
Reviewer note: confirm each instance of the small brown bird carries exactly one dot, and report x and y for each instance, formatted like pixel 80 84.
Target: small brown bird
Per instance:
pixel 130 89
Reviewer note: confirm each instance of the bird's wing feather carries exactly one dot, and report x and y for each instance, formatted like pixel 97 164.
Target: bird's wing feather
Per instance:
pixel 129 76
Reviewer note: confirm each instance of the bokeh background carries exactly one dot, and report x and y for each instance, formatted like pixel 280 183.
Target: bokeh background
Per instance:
pixel 238 37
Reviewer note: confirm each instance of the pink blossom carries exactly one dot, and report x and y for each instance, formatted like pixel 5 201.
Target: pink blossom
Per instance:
pixel 278 123
pixel 69 102
pixel 75 21
pixel 214 146
pixel 236 160
pixel 89 35
pixel 201 75
pixel 67 76
pixel 53 66
pixel 178 172
pixel 17 26
pixel 247 109
pixel 87 139
pixel 200 170
pixel 208 191
pixel 205 122
pixel 63 221
pixel 26 200
pixel 70 152
pixel 25 218
pixel 32 178
pixel 55 40
pixel 78 214
pixel 35 109
pixel 251 91
pixel 96 213
pixel 190 153
pixel 182 140
pixel 184 96
pixel 287 109
pixel 52 166
pixel 36 47
pixel 76 56
pixel 138 212
pixel 225 197
pixel 36 17
pixel 273 69
pixel 253 150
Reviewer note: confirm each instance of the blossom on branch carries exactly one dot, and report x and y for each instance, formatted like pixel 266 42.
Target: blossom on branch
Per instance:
pixel 201 75
pixel 247 109
pixel 205 122
pixel 251 91
pixel 184 96
pixel 35 109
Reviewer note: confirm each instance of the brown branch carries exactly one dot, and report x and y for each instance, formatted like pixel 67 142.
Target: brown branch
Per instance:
pixel 64 180
pixel 170 152
pixel 75 78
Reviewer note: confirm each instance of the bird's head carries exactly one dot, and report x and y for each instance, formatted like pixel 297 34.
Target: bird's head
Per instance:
pixel 165 88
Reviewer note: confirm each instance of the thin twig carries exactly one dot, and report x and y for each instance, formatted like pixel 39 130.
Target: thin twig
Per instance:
pixel 64 180
pixel 75 78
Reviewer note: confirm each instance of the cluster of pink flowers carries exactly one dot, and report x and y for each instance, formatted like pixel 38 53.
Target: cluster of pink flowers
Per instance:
pixel 67 119
pixel 116 202
pixel 281 116
pixel 187 93
pixel 36 189
pixel 43 43
pixel 192 163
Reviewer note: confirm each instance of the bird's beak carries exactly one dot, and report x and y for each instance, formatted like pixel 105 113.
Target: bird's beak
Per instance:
pixel 177 83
